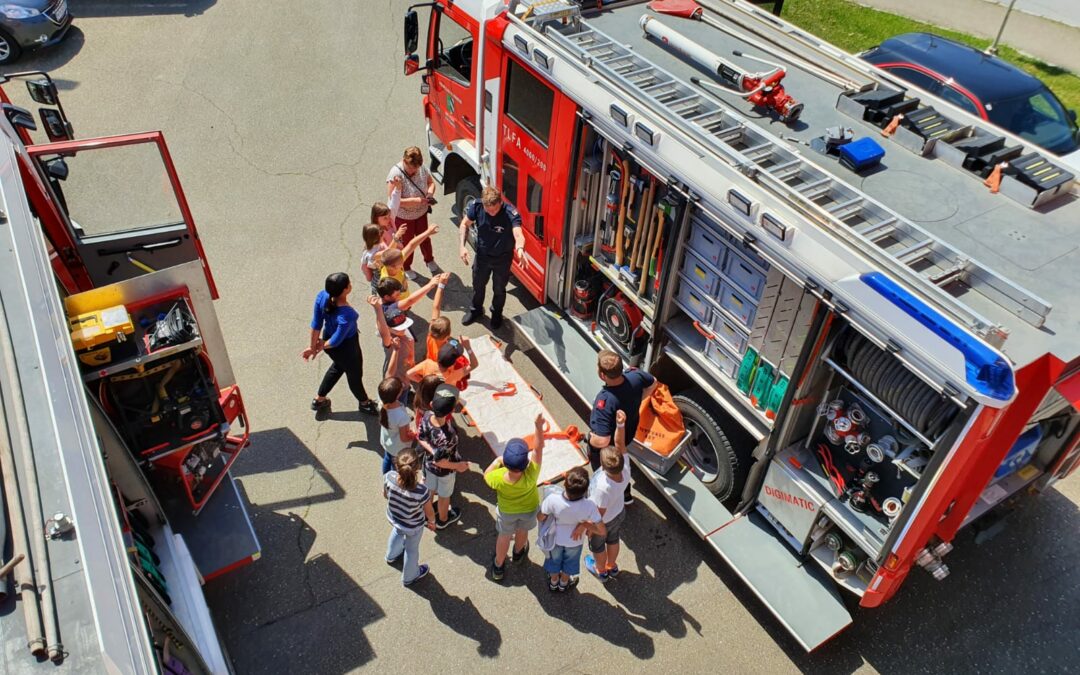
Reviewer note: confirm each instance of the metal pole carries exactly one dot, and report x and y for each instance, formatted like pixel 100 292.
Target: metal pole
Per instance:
pixel 993 48
pixel 23 568
pixel 39 552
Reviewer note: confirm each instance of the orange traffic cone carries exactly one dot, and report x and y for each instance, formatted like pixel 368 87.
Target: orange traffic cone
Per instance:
pixel 993 181
pixel 890 128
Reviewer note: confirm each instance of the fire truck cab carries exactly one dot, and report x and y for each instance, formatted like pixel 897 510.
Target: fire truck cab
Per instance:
pixel 120 416
pixel 862 348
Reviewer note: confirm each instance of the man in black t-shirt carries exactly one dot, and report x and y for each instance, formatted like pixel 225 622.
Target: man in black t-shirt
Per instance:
pixel 623 390
pixel 499 242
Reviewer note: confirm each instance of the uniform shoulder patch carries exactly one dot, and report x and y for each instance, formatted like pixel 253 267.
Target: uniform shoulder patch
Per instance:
pixel 600 403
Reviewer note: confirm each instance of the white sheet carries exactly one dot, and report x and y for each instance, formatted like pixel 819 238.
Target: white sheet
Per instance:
pixel 503 418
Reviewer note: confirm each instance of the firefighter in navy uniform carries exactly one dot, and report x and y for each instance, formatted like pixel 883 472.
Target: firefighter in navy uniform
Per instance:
pixel 623 390
pixel 499 242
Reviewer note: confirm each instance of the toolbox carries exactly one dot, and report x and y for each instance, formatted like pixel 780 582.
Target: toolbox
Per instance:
pixel 861 155
pixel 103 336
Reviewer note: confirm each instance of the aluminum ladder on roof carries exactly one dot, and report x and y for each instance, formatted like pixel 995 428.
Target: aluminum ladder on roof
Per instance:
pixel 894 243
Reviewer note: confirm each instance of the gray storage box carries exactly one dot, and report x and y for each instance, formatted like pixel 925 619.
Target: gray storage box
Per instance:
pixel 697 273
pixel 693 301
pixel 725 362
pixel 661 464
pixel 741 307
pixel 707 243
pixel 730 333
pixel 746 276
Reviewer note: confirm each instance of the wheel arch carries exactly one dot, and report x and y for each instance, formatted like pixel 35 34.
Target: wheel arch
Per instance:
pixel 455 169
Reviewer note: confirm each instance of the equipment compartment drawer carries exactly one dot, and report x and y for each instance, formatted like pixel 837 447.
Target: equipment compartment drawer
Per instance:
pixel 701 276
pixel 707 244
pixel 741 307
pixel 744 275
pixel 693 301
pixel 729 332
pixel 725 362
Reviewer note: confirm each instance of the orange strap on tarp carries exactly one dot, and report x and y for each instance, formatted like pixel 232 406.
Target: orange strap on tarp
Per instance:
pixel 570 433
pixel 661 427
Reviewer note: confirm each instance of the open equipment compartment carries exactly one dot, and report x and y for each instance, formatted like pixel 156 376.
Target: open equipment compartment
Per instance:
pixel 866 439
pixel 622 221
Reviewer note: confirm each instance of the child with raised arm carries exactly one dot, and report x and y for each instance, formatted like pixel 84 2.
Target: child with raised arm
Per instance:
pixel 393 259
pixel 574 515
pixel 513 477
pixel 606 491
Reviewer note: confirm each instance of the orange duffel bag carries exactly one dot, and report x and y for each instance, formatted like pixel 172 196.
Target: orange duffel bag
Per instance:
pixel 661 427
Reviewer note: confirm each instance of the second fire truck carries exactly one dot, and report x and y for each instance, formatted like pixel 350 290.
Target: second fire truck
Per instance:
pixel 860 293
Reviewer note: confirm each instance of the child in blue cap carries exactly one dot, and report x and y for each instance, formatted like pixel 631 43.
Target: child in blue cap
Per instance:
pixel 513 477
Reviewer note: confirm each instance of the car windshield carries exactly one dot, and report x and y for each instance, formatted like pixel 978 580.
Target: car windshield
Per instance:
pixel 1038 118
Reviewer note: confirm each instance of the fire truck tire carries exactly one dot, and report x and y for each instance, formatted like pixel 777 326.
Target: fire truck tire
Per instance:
pixel 466 191
pixel 9 48
pixel 709 452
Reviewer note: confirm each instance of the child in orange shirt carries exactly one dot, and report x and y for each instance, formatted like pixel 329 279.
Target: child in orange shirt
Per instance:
pixel 455 361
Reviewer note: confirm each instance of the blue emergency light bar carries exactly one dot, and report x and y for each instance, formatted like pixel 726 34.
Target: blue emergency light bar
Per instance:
pixel 986 371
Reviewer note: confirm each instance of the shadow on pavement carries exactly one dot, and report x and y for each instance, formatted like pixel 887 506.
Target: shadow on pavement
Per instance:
pixel 274 630
pixel 461 616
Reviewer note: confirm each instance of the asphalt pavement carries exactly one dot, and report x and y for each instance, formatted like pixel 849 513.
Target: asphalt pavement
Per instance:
pixel 283 119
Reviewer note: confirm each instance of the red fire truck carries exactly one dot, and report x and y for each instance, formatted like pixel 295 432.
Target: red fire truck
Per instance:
pixel 847 281
pixel 119 413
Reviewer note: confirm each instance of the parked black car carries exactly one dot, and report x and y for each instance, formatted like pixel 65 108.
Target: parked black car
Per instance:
pixel 30 24
pixel 982 84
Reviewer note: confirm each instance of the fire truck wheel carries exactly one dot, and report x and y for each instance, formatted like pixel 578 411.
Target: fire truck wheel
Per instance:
pixel 9 48
pixel 709 453
pixel 467 190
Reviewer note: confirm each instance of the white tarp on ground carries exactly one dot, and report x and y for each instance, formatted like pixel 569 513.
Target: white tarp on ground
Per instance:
pixel 501 418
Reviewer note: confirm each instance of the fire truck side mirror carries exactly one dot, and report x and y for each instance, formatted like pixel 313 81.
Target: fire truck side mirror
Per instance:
pixel 412 64
pixel 43 91
pixel 56 127
pixel 412 32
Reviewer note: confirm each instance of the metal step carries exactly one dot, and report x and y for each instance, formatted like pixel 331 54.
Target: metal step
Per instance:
pixel 923 261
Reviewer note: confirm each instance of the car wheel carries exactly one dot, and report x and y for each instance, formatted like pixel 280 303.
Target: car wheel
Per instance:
pixel 9 49
pixel 468 190
pixel 708 452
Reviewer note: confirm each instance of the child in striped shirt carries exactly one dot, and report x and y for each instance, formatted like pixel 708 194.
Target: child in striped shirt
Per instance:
pixel 409 510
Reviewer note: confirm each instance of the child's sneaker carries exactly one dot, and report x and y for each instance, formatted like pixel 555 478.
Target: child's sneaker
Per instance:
pixel 562 586
pixel 522 555
pixel 497 571
pixel 590 567
pixel 613 571
pixel 452 515
pixel 553 586
pixel 424 569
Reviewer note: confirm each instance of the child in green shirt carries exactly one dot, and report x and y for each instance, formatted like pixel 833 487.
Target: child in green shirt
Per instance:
pixel 513 477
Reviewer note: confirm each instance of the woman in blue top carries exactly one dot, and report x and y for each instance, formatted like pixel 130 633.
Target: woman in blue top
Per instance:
pixel 334 331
